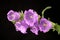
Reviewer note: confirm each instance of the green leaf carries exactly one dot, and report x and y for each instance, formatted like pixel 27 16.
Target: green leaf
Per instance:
pixel 57 28
pixel 13 22
pixel 21 15
pixel 53 29
pixel 53 24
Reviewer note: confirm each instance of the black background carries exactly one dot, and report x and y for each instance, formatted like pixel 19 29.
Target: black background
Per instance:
pixel 7 29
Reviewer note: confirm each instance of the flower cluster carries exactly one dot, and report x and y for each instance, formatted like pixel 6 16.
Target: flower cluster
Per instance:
pixel 29 19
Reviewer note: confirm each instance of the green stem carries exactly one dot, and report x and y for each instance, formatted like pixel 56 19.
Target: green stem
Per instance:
pixel 45 10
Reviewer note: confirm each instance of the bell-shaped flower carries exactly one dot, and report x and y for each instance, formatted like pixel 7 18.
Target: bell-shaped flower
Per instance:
pixel 45 25
pixel 30 17
pixel 13 16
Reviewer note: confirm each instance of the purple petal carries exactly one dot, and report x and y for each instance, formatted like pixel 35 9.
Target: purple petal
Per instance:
pixel 21 26
pixel 34 29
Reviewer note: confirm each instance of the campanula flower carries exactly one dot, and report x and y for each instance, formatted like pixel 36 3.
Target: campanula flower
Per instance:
pixel 13 16
pixel 45 25
pixel 30 17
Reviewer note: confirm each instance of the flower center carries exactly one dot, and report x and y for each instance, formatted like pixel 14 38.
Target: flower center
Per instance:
pixel 31 16
pixel 44 25
pixel 12 15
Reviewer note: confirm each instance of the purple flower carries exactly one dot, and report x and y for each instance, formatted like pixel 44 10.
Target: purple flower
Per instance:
pixel 13 16
pixel 30 17
pixel 34 29
pixel 45 25
pixel 21 26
